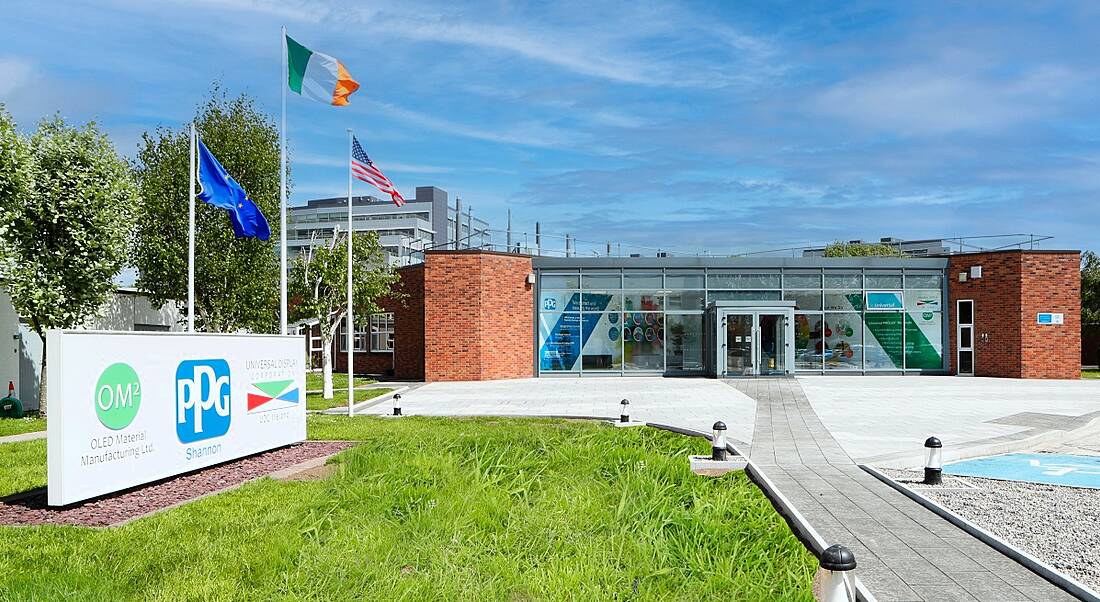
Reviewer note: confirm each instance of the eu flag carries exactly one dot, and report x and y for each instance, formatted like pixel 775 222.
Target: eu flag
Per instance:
pixel 221 190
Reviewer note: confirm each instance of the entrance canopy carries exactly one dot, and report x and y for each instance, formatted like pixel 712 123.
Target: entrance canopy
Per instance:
pixel 750 338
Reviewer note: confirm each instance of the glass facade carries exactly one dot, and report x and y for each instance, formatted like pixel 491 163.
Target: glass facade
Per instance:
pixel 652 321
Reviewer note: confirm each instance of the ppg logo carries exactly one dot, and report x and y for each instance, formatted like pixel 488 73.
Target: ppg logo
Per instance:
pixel 549 304
pixel 202 399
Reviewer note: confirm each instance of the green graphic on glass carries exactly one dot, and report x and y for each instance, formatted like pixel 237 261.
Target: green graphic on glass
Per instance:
pixel 117 396
pixel 919 351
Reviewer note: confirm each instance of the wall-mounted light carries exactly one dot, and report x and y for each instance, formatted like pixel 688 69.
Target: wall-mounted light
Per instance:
pixel 962 276
pixel 975 271
pixel 530 278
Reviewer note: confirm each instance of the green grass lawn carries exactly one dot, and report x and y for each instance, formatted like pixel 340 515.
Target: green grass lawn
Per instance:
pixel 1090 374
pixel 22 467
pixel 16 426
pixel 443 509
pixel 315 381
pixel 314 401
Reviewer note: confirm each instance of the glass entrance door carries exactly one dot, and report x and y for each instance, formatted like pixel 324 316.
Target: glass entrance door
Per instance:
pixel 739 349
pixel 757 343
pixel 772 342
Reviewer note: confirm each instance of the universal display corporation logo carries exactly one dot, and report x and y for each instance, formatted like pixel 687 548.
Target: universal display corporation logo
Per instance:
pixel 117 396
pixel 202 400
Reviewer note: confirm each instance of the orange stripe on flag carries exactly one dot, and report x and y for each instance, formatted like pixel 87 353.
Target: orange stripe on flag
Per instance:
pixel 345 85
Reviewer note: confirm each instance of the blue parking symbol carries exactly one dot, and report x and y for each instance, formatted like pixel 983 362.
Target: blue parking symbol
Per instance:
pixel 1051 469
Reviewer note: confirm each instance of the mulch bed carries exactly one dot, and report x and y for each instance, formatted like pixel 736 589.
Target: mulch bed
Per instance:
pixel 21 509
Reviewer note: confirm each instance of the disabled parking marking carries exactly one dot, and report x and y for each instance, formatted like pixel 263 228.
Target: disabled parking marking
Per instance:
pixel 1051 469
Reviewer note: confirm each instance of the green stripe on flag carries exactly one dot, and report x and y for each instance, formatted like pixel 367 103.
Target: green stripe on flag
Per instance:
pixel 297 57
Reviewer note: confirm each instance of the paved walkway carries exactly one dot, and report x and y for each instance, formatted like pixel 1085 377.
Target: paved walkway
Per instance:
pixel 903 551
pixel 23 437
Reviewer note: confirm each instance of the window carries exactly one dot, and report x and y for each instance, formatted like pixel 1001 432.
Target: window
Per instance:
pixel 360 338
pixel 743 280
pixel 381 332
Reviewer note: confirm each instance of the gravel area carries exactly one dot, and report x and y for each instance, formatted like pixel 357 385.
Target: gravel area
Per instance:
pixel 128 505
pixel 1060 525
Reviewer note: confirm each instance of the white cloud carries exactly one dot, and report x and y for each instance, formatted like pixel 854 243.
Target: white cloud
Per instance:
pixel 530 133
pixel 387 166
pixel 306 11
pixel 938 99
pixel 621 47
pixel 15 74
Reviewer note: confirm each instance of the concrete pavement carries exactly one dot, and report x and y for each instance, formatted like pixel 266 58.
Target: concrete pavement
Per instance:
pixel 688 402
pixel 883 420
pixel 23 437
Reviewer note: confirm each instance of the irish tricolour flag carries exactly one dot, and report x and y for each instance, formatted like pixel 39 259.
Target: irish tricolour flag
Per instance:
pixel 317 76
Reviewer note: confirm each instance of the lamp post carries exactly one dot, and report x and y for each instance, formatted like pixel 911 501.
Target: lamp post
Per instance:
pixel 397 404
pixel 624 413
pixel 718 442
pixel 933 461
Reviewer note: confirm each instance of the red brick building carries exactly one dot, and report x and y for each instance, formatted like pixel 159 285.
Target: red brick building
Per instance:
pixel 466 315
pixel 480 315
pixel 1010 292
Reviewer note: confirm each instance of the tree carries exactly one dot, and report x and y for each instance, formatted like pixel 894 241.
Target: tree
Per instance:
pixel 15 173
pixel 236 280
pixel 66 228
pixel 861 249
pixel 1090 288
pixel 319 286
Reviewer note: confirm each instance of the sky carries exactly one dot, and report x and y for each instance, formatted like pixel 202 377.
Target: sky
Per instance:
pixel 718 127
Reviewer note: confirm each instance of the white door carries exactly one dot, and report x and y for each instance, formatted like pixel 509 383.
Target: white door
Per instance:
pixel 964 337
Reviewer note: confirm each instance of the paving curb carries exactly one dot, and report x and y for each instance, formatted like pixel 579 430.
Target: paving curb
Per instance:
pixel 362 405
pixel 798 524
pixel 1063 582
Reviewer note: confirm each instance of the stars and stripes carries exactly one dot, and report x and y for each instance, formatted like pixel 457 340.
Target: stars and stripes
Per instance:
pixel 365 169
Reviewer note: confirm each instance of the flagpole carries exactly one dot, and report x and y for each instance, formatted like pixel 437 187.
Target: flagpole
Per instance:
pixel 191 234
pixel 282 193
pixel 351 318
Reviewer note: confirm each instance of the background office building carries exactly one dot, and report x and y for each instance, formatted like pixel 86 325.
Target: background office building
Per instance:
pixel 425 222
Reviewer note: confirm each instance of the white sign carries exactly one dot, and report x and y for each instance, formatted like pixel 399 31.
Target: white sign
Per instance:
pixel 129 408
pixel 1048 318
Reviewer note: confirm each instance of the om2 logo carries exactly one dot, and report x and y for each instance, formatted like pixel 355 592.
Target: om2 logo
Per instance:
pixel 202 399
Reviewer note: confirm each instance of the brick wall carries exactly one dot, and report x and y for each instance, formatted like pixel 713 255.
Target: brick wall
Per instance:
pixel 408 325
pixel 1051 283
pixel 478 316
pixel 1015 286
pixel 407 360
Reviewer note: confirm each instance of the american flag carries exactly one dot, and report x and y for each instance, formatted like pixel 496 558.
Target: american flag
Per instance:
pixel 365 169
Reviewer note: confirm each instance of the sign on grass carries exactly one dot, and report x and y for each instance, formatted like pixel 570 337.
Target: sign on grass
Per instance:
pixel 129 408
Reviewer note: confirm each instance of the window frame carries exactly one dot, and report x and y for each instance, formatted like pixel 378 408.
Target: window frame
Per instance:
pixel 382 325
